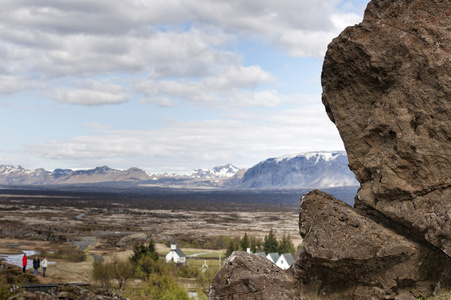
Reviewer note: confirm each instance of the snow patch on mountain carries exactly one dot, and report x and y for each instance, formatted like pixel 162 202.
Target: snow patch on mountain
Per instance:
pixel 318 155
pixel 227 170
pixel 323 169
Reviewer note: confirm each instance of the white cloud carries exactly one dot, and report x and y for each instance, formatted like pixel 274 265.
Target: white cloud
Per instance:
pixel 78 38
pixel 216 89
pixel 180 45
pixel 191 143
pixel 12 84
pixel 160 101
pixel 91 93
pixel 171 53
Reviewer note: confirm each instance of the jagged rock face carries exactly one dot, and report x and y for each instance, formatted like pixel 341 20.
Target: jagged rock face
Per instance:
pixel 387 87
pixel 252 277
pixel 349 256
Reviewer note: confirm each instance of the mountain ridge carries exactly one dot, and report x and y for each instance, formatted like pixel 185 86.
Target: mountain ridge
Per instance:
pixel 309 169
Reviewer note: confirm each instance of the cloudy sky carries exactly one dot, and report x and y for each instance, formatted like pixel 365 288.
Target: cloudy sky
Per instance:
pixel 164 85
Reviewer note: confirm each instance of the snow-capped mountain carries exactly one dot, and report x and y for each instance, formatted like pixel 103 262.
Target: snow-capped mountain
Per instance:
pixel 227 170
pixel 18 175
pixel 304 170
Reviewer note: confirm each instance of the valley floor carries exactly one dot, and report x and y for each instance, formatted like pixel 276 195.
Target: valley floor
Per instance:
pixel 106 226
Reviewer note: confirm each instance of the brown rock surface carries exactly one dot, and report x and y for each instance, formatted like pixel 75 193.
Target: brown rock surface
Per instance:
pixel 387 87
pixel 349 256
pixel 249 276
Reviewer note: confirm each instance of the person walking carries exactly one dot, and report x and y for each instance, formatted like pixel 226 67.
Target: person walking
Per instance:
pixel 24 262
pixel 36 265
pixel 44 266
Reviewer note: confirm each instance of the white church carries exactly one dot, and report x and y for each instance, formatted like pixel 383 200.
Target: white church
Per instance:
pixel 176 255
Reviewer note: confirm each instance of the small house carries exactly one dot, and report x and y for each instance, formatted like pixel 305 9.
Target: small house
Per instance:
pixel 285 261
pixel 175 255
pixel 274 257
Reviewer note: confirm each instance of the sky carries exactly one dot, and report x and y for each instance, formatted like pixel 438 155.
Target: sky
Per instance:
pixel 165 85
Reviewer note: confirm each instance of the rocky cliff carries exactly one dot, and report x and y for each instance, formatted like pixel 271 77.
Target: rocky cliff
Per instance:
pixel 387 87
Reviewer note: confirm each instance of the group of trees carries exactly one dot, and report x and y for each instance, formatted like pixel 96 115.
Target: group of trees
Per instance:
pixel 269 244
pixel 152 278
pixel 157 280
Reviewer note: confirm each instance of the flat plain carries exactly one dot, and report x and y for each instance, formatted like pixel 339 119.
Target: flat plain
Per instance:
pixel 105 223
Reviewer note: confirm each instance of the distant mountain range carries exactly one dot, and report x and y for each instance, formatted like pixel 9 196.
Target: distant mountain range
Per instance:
pixel 305 170
pixel 312 170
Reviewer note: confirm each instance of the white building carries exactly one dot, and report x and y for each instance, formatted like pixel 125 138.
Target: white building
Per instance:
pixel 175 255
pixel 285 261
pixel 274 257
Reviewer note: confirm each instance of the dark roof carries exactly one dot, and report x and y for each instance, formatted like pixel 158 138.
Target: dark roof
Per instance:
pixel 274 256
pixel 289 258
pixel 261 254
pixel 180 253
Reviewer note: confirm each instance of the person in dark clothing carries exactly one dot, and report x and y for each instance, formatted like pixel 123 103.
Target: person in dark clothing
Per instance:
pixel 36 265
pixel 24 262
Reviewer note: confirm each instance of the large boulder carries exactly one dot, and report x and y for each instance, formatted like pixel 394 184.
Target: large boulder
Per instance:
pixel 253 277
pixel 347 255
pixel 387 87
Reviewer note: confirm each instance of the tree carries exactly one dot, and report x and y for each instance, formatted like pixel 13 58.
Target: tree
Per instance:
pixel 122 271
pixel 230 248
pixel 244 243
pixel 147 266
pixel 270 243
pixel 141 250
pixel 286 245
pixel 115 270
pixel 101 274
pixel 255 244
pixel 205 278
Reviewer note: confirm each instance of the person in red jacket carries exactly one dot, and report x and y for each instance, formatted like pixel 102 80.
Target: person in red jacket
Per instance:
pixel 24 262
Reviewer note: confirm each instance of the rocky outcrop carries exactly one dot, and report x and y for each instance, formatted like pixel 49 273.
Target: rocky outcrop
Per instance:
pixel 249 276
pixel 347 255
pixel 133 239
pixel 387 87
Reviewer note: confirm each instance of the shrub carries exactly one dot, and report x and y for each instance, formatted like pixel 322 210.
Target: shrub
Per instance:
pixel 101 274
pixel 116 270
pixel 205 278
pixel 187 271
pixel 163 287
pixel 66 253
pixel 122 271
pixel 147 266
pixel 4 289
